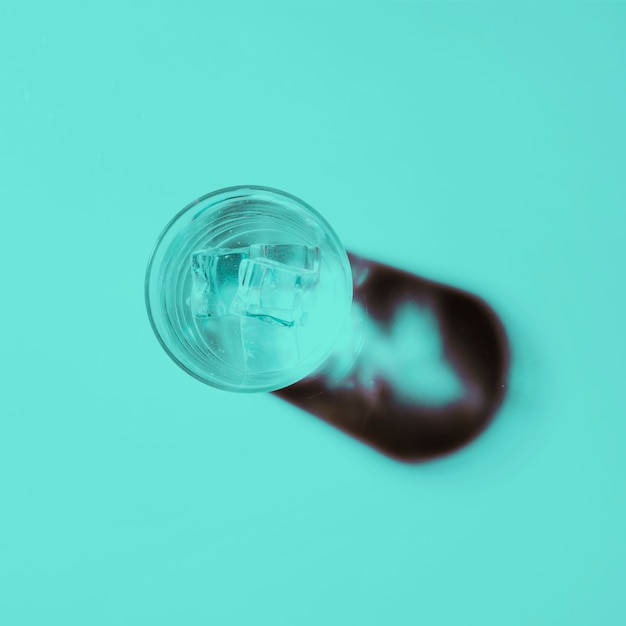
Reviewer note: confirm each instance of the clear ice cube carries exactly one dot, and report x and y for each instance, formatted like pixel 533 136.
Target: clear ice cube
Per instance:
pixel 274 292
pixel 222 336
pixel 215 280
pixel 268 347
pixel 292 255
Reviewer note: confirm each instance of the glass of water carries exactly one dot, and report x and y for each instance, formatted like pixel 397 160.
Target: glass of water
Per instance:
pixel 249 289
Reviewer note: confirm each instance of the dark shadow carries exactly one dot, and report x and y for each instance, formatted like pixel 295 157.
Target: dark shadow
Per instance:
pixel 409 402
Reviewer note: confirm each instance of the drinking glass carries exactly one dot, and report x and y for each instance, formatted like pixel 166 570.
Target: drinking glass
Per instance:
pixel 249 289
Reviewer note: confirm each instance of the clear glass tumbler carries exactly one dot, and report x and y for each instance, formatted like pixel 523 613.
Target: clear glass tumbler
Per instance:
pixel 249 289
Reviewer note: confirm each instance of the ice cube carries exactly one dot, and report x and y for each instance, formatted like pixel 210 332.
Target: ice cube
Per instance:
pixel 215 280
pixel 222 336
pixel 273 292
pixel 268 347
pixel 292 255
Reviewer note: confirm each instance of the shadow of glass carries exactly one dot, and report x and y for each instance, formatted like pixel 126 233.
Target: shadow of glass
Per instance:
pixel 423 373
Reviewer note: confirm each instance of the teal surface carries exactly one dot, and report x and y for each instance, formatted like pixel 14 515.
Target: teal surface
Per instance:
pixel 481 145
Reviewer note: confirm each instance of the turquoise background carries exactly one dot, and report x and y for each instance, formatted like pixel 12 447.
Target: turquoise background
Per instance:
pixel 481 145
